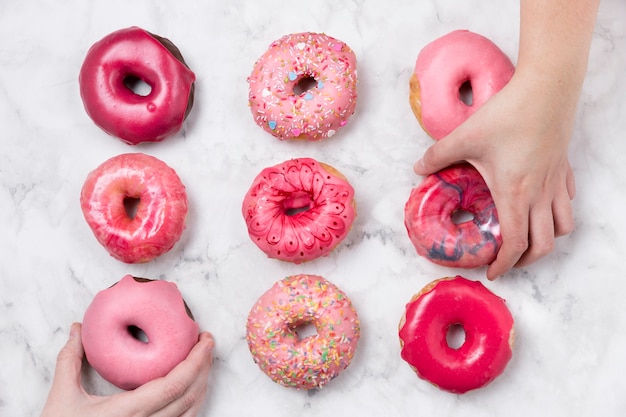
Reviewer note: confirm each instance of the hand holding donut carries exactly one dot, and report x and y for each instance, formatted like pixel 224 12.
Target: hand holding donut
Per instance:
pixel 180 393
pixel 518 139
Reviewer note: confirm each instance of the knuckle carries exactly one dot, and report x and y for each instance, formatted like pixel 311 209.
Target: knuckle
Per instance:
pixel 175 390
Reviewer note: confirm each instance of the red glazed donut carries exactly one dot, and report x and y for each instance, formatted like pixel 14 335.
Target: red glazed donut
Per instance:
pixel 129 55
pixel 117 314
pixel 161 206
pixel 291 62
pixel 447 64
pixel 429 213
pixel 299 210
pixel 488 327
pixel 312 361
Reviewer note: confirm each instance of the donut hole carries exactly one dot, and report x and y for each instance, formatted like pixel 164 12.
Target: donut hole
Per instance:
pixel 304 84
pixel 130 206
pixel 304 330
pixel 137 85
pixel 455 336
pixel 138 334
pixel 466 94
pixel 297 202
pixel 462 216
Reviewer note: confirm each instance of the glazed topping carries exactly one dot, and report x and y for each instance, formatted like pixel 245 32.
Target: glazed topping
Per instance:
pixel 446 66
pixel 157 221
pixel 314 360
pixel 298 210
pixel 488 327
pixel 304 86
pixel 118 60
pixel 115 317
pixel 430 213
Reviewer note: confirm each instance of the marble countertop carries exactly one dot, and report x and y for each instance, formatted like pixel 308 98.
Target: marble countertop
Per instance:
pixel 568 307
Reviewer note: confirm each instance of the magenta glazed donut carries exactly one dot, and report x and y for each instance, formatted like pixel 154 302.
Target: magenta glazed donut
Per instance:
pixel 429 219
pixel 160 206
pixel 122 58
pixel 282 105
pixel 115 318
pixel 443 67
pixel 485 320
pixel 299 210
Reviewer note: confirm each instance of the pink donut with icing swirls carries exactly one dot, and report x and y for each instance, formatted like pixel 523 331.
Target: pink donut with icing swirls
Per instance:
pixel 303 362
pixel 443 67
pixel 160 201
pixel 292 63
pixel 115 319
pixel 299 210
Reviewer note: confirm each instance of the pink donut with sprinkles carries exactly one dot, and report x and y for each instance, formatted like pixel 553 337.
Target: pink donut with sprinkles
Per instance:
pixel 303 362
pixel 299 210
pixel 304 87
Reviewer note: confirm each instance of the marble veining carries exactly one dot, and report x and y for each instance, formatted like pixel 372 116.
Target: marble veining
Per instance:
pixel 568 310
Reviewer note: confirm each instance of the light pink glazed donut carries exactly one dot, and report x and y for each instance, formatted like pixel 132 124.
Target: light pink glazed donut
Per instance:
pixel 292 63
pixel 429 221
pixel 299 210
pixel 272 332
pixel 114 320
pixel 161 206
pixel 443 67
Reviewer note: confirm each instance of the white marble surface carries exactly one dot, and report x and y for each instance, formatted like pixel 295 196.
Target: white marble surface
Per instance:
pixel 570 319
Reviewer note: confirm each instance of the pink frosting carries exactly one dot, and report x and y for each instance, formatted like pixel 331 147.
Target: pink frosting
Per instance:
pixel 311 361
pixel 313 114
pixel 157 308
pixel 429 212
pixel 298 211
pixel 115 108
pixel 159 220
pixel 444 65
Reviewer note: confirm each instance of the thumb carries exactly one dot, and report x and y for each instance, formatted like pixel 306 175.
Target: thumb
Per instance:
pixel 67 376
pixel 443 153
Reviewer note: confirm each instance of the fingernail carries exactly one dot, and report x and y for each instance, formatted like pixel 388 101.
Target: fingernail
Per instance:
pixel 73 330
pixel 419 166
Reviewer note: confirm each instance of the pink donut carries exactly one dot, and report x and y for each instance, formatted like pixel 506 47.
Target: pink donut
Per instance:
pixel 429 212
pixel 160 200
pixel 443 67
pixel 299 210
pixel 272 332
pixel 293 63
pixel 122 58
pixel 114 320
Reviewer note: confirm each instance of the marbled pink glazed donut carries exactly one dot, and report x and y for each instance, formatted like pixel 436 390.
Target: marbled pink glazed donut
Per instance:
pixel 114 319
pixel 429 221
pixel 312 361
pixel 446 64
pixel 325 63
pixel 156 191
pixel 299 210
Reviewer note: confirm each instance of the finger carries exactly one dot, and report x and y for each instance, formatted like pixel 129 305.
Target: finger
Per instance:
pixel 441 154
pixel 541 230
pixel 562 212
pixel 570 182
pixel 171 395
pixel 514 228
pixel 67 376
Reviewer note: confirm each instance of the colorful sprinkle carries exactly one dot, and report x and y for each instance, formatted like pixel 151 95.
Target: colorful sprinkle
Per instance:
pixel 272 124
pixel 308 96
pixel 292 76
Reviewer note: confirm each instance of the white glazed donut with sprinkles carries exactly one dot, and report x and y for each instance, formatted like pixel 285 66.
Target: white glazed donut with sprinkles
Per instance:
pixel 303 362
pixel 304 87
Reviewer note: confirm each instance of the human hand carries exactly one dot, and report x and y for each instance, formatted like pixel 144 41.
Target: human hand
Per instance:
pixel 179 394
pixel 518 141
